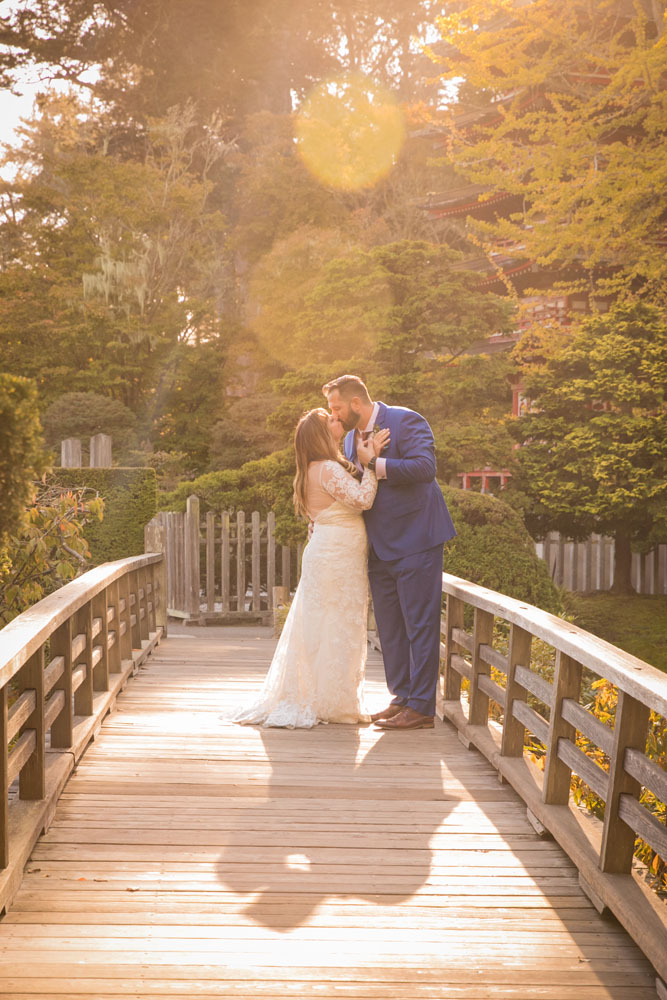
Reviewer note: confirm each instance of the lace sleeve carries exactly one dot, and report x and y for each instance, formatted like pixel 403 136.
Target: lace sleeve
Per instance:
pixel 342 486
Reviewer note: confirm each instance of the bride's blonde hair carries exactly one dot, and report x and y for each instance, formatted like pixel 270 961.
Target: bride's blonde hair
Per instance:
pixel 313 442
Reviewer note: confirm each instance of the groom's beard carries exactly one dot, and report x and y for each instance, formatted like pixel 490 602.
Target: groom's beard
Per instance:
pixel 351 422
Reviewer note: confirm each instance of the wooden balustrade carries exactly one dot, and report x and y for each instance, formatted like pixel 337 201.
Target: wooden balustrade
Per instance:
pixel 224 567
pixel 551 712
pixel 62 663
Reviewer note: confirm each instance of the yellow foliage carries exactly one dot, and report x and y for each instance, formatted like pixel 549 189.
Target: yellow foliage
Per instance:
pixel 574 112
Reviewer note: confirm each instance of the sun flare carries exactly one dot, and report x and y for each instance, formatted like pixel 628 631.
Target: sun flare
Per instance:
pixel 349 132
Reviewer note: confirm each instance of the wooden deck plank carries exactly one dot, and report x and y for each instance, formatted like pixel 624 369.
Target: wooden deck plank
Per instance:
pixel 189 858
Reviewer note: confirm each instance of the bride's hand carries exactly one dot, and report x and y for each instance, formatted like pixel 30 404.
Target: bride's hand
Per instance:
pixel 380 441
pixel 365 452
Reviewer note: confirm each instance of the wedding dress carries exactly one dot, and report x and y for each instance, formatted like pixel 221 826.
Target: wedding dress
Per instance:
pixel 317 670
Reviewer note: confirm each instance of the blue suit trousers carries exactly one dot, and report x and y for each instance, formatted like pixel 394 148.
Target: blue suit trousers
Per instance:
pixel 407 602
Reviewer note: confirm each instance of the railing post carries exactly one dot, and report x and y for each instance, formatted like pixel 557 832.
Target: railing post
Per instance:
pixel 156 541
pixel 240 561
pixel 149 586
pixel 180 521
pixel 160 581
pixel 113 601
pixel 4 780
pixel 452 684
pixel 135 630
pixel 618 840
pixel 514 733
pixel 482 635
pixel 192 558
pixel 61 645
pixel 225 563
pixel 270 557
pixel 124 618
pixel 210 561
pixel 256 597
pixel 567 684
pixel 171 556
pixel 142 605
pixel 32 777
pixel 101 670
pixel 286 564
pixel 83 696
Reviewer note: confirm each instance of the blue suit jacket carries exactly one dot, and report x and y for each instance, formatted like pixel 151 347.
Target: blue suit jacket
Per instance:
pixel 409 514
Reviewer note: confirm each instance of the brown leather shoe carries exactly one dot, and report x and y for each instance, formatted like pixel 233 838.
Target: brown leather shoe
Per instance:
pixel 388 713
pixel 407 719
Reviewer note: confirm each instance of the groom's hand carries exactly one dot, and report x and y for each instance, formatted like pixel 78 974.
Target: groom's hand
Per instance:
pixel 380 441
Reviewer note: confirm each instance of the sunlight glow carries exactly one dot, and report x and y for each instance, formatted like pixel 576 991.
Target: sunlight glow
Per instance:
pixel 349 132
pixel 297 862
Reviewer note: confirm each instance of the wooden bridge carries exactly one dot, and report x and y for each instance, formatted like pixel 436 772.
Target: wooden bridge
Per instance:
pixel 186 858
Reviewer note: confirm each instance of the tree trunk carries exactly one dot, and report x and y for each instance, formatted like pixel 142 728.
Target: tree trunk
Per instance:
pixel 622 583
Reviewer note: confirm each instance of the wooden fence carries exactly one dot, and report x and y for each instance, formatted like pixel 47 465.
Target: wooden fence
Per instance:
pixel 589 565
pixel 500 670
pixel 223 568
pixel 62 663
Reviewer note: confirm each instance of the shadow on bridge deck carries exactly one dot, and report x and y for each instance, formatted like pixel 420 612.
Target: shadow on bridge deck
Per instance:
pixel 189 858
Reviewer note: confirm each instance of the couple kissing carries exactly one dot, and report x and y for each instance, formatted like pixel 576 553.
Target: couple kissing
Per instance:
pixel 378 516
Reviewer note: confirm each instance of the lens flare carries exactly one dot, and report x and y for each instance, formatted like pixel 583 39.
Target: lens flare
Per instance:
pixel 349 132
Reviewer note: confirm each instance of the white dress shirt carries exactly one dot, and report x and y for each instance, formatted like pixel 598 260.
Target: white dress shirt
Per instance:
pixel 380 465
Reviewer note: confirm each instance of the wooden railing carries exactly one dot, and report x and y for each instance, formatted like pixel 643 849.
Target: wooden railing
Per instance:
pixel 62 663
pixel 224 567
pixel 603 852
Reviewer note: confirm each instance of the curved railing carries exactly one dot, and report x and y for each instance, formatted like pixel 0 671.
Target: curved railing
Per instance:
pixel 603 852
pixel 62 663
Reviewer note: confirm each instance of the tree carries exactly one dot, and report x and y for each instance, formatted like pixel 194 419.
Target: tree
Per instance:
pixel 83 414
pixel 21 455
pixel 233 58
pixel 273 194
pixel 403 301
pixel 569 109
pixel 405 317
pixel 112 267
pixel 189 401
pixel 242 432
pixel 48 548
pixel 594 446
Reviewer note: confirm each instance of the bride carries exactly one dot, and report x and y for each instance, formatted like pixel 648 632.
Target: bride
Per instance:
pixel 317 670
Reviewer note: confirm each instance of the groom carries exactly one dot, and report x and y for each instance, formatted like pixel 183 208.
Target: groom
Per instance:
pixel 407 527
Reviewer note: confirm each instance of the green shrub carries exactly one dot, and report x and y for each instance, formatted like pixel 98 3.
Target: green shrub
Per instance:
pixel 83 414
pixel 493 548
pixel 49 549
pixel 130 501
pixel 263 485
pixel 21 454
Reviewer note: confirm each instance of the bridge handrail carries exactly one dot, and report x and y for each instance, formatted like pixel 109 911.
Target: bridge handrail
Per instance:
pixel 65 659
pixel 646 683
pixel 29 630
pixel 603 852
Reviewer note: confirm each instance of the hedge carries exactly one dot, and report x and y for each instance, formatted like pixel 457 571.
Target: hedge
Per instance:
pixel 494 549
pixel 130 496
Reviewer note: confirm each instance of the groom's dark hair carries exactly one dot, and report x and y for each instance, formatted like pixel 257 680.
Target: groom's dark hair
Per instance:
pixel 348 386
